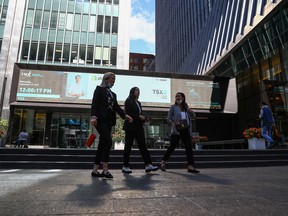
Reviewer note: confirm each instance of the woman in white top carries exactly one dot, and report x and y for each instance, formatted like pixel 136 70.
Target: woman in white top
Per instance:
pixel 179 117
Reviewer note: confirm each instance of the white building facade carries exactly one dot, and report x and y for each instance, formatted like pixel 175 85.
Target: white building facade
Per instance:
pixel 78 33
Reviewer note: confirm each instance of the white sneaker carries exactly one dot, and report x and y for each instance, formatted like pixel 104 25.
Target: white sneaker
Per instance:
pixel 126 170
pixel 150 168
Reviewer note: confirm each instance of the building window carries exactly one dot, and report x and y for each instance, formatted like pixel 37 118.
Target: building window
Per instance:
pixel 33 51
pixel 90 55
pixel 41 53
pixel 92 23
pixel 107 24
pixel 29 18
pixel 82 54
pixel 77 22
pixel 37 21
pixel 53 21
pixel 115 25
pixel 105 56
pixel 45 22
pixel 61 21
pixel 25 49
pixel 49 52
pixel 98 55
pixel 108 10
pixel 100 24
pixel 113 56
pixel 58 53
pixel 74 54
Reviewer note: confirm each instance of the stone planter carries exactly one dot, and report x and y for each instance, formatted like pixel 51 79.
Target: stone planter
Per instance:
pixel 119 145
pixel 256 143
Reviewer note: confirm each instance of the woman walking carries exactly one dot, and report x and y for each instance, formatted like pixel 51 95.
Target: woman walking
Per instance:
pixel 135 131
pixel 179 117
pixel 103 117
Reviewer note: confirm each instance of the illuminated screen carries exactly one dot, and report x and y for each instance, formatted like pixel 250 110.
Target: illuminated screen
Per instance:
pixel 71 87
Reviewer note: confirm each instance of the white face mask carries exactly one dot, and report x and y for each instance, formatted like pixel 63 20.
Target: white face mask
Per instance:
pixel 179 101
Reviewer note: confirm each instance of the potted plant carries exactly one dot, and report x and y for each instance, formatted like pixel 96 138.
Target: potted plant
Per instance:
pixel 255 139
pixel 3 129
pixel 118 136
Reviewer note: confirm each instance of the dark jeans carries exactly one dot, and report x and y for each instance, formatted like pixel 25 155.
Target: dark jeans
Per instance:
pixel 105 142
pixel 266 132
pixel 174 142
pixel 21 143
pixel 140 138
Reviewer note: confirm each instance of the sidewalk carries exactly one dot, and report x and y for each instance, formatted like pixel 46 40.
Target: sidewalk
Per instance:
pixel 238 191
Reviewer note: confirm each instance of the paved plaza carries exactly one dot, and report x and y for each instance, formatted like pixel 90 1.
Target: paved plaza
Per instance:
pixel 230 191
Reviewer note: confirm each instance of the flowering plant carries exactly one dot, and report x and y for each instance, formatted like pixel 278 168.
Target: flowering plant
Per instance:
pixel 252 132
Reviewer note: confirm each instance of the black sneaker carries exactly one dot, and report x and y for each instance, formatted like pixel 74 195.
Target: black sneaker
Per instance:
pixel 107 175
pixel 193 171
pixel 96 174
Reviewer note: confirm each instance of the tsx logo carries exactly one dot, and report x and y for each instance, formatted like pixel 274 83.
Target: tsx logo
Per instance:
pixel 26 74
pixel 159 92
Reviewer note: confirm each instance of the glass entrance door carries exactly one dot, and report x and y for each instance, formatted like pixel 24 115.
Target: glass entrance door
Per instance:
pixel 69 130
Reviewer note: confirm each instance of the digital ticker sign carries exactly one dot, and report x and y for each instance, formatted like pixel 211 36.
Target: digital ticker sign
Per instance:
pixel 74 87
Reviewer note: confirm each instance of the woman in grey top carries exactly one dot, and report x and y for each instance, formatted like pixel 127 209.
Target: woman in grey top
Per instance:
pixel 179 117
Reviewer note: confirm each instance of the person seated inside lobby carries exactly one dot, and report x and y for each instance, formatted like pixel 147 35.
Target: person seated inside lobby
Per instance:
pixel 23 139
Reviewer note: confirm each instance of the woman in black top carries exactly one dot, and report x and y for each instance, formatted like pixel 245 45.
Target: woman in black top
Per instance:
pixel 103 117
pixel 135 130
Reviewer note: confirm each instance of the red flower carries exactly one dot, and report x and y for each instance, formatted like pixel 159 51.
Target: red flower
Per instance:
pixel 252 132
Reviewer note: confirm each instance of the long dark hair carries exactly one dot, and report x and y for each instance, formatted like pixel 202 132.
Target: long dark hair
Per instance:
pixel 183 105
pixel 131 93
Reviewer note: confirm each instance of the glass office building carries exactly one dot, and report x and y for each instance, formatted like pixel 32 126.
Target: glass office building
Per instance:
pixel 65 35
pixel 81 33
pixel 245 40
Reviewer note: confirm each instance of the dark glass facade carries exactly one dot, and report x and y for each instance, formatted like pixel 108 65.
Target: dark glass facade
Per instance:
pixel 260 67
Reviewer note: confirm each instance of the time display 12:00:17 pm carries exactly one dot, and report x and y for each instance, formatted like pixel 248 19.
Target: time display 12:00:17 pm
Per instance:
pixel 35 90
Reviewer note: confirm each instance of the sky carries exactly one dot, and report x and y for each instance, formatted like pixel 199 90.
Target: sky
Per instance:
pixel 142 27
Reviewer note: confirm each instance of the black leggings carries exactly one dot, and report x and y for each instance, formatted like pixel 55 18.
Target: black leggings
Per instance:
pixel 105 142
pixel 140 138
pixel 174 142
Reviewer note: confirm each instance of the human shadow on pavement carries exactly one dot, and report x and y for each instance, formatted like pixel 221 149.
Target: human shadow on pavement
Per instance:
pixel 93 194
pixel 200 177
pixel 144 182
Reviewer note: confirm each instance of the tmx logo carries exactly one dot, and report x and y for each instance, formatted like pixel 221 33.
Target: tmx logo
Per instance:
pixel 26 74
pixel 158 91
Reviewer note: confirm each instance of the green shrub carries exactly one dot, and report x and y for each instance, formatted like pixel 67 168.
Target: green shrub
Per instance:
pixel 3 127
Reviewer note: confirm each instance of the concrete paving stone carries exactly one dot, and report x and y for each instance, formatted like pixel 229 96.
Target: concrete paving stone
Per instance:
pixel 156 205
pixel 249 210
pixel 69 207
pixel 239 191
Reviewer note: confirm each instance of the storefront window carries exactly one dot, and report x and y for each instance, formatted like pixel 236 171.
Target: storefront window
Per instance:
pixel 31 120
pixel 69 130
